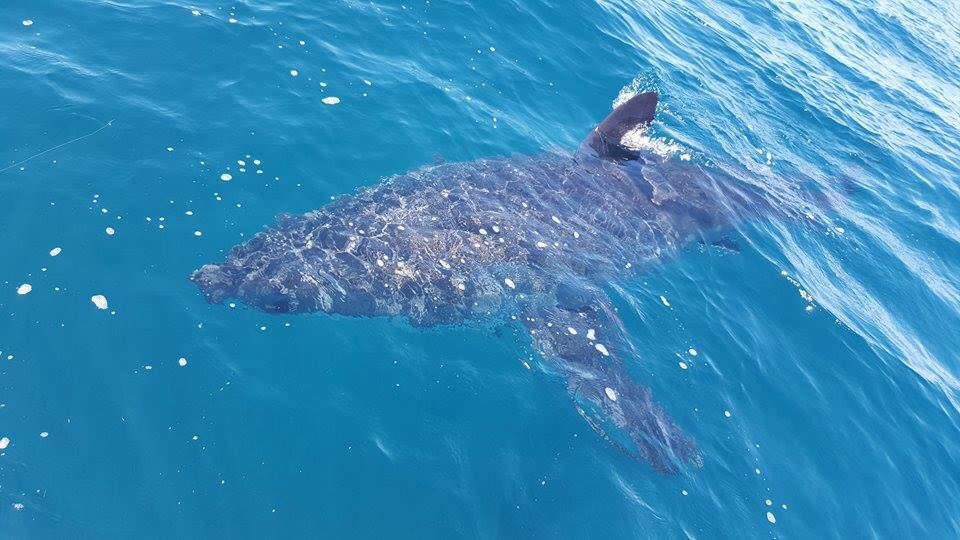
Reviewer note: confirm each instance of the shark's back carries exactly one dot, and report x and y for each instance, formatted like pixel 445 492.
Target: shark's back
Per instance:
pixel 445 243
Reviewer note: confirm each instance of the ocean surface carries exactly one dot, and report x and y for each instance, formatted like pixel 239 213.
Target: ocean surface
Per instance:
pixel 825 391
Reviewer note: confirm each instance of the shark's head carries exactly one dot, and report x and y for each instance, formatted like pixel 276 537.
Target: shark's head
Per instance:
pixel 288 269
pixel 276 293
pixel 268 272
pixel 272 290
pixel 218 282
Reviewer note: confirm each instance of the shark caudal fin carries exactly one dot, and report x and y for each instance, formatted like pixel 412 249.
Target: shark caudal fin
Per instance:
pixel 636 112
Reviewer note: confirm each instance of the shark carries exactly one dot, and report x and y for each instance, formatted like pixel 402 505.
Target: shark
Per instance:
pixel 533 241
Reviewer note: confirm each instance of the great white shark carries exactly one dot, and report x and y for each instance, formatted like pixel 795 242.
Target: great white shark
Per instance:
pixel 533 239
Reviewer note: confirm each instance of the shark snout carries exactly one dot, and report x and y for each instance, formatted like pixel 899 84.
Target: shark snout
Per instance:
pixel 218 281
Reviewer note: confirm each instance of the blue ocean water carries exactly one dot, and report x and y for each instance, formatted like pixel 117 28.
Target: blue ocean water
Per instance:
pixel 825 392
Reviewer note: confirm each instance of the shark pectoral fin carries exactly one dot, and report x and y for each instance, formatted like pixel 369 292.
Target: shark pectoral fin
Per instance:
pixel 724 243
pixel 582 334
pixel 623 412
pixel 636 112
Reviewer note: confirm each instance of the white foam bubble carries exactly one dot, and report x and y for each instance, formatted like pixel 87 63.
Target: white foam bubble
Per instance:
pixel 624 96
pixel 24 289
pixel 639 139
pixel 100 301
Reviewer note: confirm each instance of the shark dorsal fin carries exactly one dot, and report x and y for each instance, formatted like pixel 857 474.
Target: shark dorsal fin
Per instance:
pixel 605 139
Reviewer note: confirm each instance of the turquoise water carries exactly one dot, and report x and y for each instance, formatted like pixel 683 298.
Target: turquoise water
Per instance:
pixel 839 406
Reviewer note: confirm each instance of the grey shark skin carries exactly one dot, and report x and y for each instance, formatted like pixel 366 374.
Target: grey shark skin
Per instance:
pixel 532 238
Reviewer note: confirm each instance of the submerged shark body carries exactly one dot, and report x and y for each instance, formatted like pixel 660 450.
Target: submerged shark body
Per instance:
pixel 534 239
